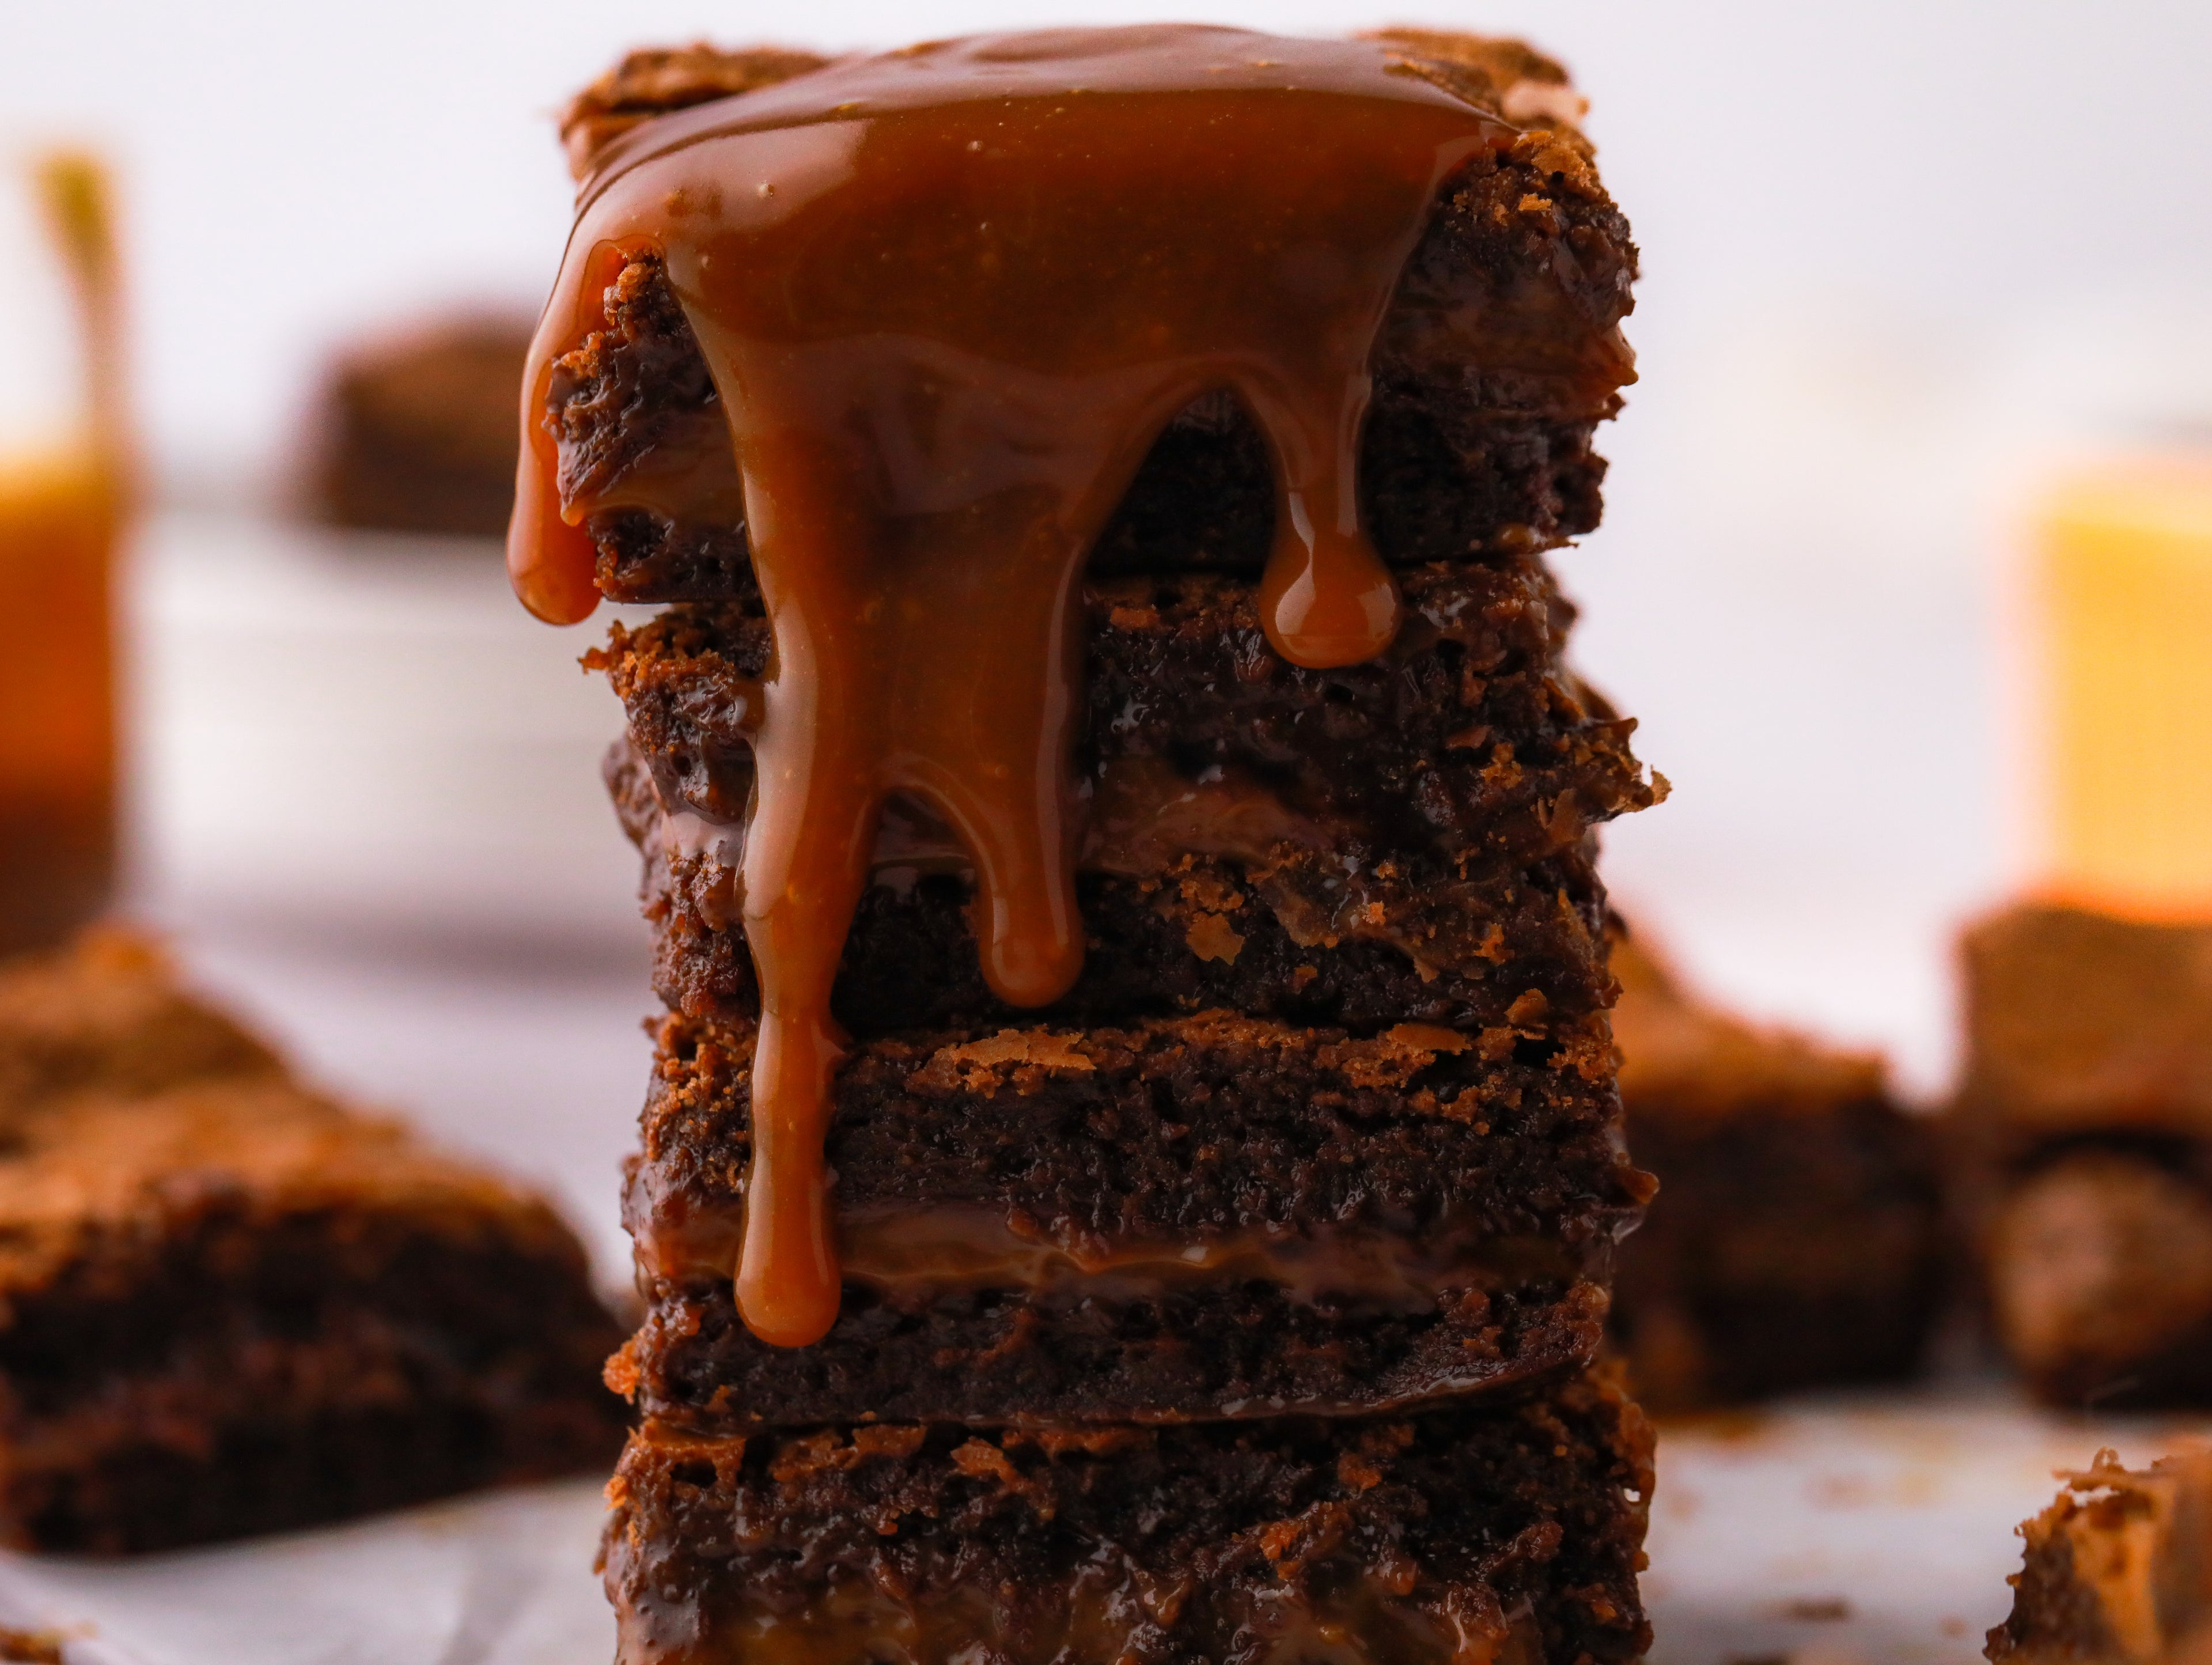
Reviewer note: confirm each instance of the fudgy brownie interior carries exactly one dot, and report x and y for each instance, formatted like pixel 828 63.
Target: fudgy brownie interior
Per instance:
pixel 1204 1216
pixel 1513 1532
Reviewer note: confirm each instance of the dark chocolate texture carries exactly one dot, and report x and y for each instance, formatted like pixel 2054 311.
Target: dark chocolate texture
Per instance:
pixel 1511 1533
pixel 1499 356
pixel 1181 1133
pixel 1420 847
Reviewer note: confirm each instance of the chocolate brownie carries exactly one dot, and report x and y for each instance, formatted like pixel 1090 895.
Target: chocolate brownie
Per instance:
pixel 2116 1570
pixel 2083 1138
pixel 1205 1217
pixel 417 434
pixel 1289 939
pixel 1511 1533
pixel 1500 354
pixel 1796 1239
pixel 1240 1304
pixel 105 1014
pixel 229 1306
pixel 1406 840
pixel 1468 737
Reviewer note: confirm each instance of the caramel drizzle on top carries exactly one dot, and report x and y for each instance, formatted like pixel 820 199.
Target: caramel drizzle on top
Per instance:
pixel 948 297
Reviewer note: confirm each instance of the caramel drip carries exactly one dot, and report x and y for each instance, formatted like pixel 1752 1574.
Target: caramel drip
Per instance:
pixel 948 297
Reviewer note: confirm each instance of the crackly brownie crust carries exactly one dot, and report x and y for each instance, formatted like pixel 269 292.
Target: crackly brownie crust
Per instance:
pixel 2079 1024
pixel 205 1294
pixel 1796 1240
pixel 229 1306
pixel 1184 1132
pixel 655 81
pixel 1515 1531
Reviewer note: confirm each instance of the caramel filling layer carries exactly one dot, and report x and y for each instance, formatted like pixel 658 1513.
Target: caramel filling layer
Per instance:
pixel 911 1255
pixel 949 296
pixel 1370 1617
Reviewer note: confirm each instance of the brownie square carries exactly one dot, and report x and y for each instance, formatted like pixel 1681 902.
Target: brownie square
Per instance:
pixel 2115 1571
pixel 1797 1238
pixel 1508 1533
pixel 417 433
pixel 229 1305
pixel 1208 1217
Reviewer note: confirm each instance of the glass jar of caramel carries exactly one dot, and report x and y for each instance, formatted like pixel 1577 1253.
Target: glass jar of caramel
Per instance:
pixel 63 494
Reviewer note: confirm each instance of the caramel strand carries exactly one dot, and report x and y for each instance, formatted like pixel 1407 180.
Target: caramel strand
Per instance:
pixel 948 297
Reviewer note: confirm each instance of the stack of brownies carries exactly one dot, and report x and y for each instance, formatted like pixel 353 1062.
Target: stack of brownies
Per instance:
pixel 1242 1304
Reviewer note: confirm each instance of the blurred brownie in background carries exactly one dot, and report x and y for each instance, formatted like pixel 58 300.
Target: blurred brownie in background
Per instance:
pixel 2084 1132
pixel 107 1017
pixel 2115 1570
pixel 1796 1241
pixel 229 1305
pixel 416 433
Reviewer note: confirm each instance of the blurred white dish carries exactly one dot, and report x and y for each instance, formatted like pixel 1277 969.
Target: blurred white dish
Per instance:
pixel 365 732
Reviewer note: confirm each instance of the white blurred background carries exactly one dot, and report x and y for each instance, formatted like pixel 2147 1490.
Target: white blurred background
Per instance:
pixel 1902 260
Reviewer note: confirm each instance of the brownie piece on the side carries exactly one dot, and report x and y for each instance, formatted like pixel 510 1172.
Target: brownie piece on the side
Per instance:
pixel 1795 1241
pixel 1205 1217
pixel 229 1306
pixel 2083 1136
pixel 417 433
pixel 2117 1571
pixel 1506 1532
pixel 1405 840
pixel 105 1014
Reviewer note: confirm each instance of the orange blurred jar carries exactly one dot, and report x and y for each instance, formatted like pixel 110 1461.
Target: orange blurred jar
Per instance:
pixel 60 518
pixel 63 498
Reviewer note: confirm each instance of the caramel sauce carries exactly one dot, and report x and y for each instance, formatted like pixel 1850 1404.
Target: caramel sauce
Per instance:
pixel 1138 815
pixel 948 297
pixel 921 1253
